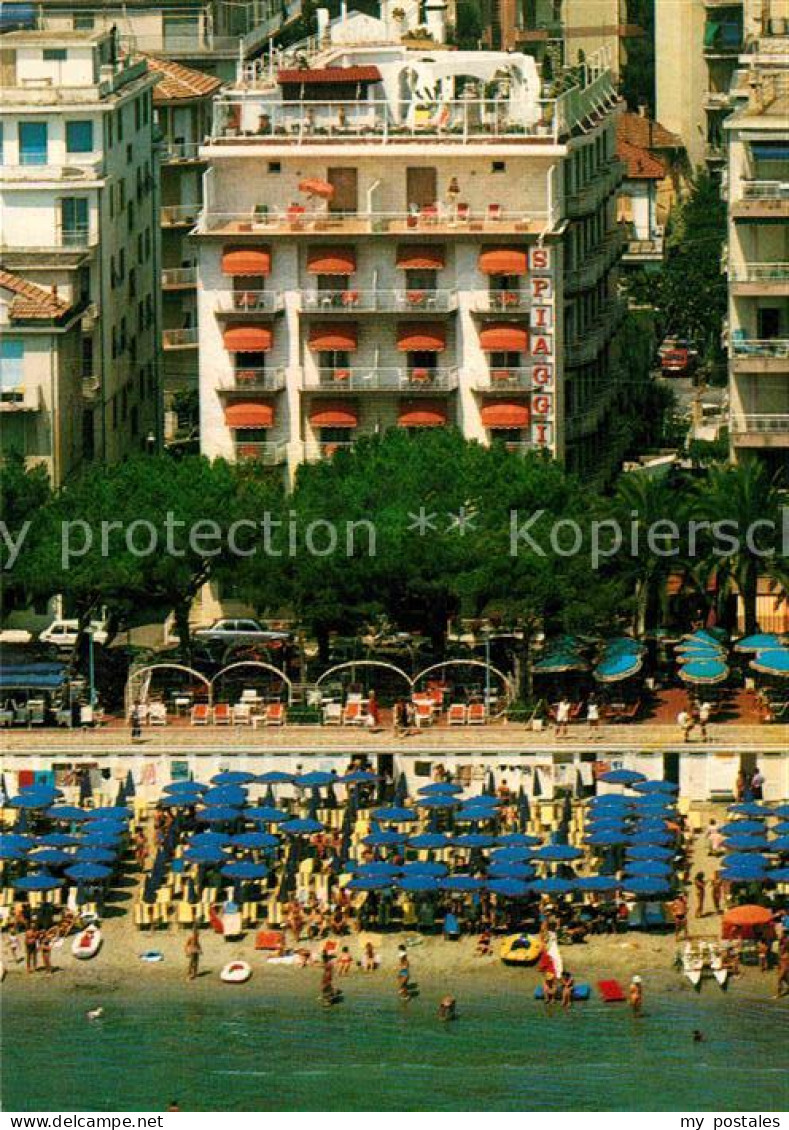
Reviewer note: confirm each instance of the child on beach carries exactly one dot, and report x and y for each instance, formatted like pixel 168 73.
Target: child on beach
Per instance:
pixel 549 987
pixel 700 886
pixel 344 962
pixel 403 974
pixel 483 944
pixel 636 996
pixel 568 984
pixel 369 958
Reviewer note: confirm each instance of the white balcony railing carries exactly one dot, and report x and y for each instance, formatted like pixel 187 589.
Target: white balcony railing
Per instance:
pixel 265 219
pixel 756 347
pixel 180 339
pixel 176 277
pixel 759 272
pixel 270 454
pixel 603 182
pixel 502 301
pixel 175 152
pixel 772 424
pixel 75 167
pixel 313 450
pixel 396 379
pixel 250 302
pixel 502 380
pixel 254 380
pixel 379 301
pixel 765 190
pixel 179 215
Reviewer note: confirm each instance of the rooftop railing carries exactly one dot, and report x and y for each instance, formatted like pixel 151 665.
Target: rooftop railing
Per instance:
pixel 379 301
pixel 765 190
pixel 499 379
pixel 179 215
pixel 174 152
pixel 174 278
pixel 269 454
pixel 180 339
pixel 771 424
pixel 502 301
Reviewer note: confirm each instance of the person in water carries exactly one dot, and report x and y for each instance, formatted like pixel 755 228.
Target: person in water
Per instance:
pixel 567 986
pixel 403 973
pixel 328 995
pixel 698 1036
pixel 549 988
pixel 193 949
pixel 636 996
pixel 447 1009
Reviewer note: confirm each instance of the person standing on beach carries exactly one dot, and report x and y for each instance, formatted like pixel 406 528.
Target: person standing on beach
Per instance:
pixel 739 787
pixel 193 950
pixel 31 948
pixel 679 908
pixel 568 984
pixel 704 717
pixel 757 784
pixel 700 886
pixel 686 724
pixel 636 996
pixel 403 974
pixel 716 889
pixel 782 985
pixel 562 718
pixel 593 715
pixel 45 946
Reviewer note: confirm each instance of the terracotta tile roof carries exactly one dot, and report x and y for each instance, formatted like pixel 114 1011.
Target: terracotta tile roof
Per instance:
pixel 645 132
pixel 330 74
pixel 641 165
pixel 30 300
pixel 178 83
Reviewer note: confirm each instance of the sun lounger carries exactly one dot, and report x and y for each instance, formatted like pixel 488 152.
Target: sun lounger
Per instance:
pixel 332 714
pixel 275 714
pixel 242 714
pixel 423 713
pixel 157 714
pixel 477 714
pixel 353 714
pixel 200 714
pixel 222 714
pixel 457 715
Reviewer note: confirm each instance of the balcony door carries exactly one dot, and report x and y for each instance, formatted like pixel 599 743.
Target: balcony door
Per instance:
pixel 74 220
pixel 346 190
pixel 421 186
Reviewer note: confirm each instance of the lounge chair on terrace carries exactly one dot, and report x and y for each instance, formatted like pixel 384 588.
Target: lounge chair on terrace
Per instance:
pixel 157 714
pixel 222 716
pixel 423 713
pixel 200 714
pixel 332 714
pixel 275 714
pixel 242 714
pixel 353 714
pixel 457 715
pixel 477 714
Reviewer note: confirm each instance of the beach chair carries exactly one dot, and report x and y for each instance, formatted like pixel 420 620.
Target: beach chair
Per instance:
pixel 200 714
pixel 332 714
pixel 242 714
pixel 275 714
pixel 186 914
pixel 423 714
pixel 157 714
pixel 495 212
pixel 477 714
pixel 222 714
pixel 353 714
pixel 463 213
pixel 457 715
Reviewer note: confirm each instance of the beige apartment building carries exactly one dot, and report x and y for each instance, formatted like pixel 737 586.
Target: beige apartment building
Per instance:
pixel 395 237
pixel 79 218
pixel 757 189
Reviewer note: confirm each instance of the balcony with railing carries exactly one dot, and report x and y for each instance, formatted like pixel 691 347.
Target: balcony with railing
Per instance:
pixel 503 380
pixel 91 386
pixel 75 168
pixel 179 215
pixel 502 302
pixel 267 453
pixel 249 302
pixel 314 450
pixel 604 182
pixel 179 278
pixel 760 355
pixel 760 430
pixel 597 261
pixel 181 153
pixel 396 379
pixel 760 199
pixel 759 278
pixel 438 219
pixel 270 379
pixel 21 398
pixel 587 343
pixel 180 339
pixel 379 301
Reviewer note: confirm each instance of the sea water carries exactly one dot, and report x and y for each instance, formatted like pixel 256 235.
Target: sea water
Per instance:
pixel 246 1048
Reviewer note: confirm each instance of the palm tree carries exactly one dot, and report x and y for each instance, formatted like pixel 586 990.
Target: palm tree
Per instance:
pixel 744 505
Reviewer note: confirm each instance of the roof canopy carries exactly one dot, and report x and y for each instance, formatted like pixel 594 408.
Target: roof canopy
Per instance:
pixel 248 339
pixel 331 261
pixel 334 416
pixel 249 414
pixel 325 339
pixel 328 75
pixel 246 261
pixel 427 338
pixel 421 258
pixel 505 415
pixel 422 415
pixel 504 338
pixel 504 261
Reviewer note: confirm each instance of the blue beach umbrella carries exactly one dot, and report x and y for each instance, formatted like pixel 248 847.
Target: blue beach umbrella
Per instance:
pixel 656 787
pixel 316 780
pixel 474 840
pixel 621 777
pixel 31 800
pixel 358 777
pixel 218 814
pixel 779 875
pixel 751 808
pixel 265 814
pixel 649 851
pixel 233 777
pixel 556 853
pixel 616 668
pixel 761 641
pixel 517 839
pixel 108 812
pixel 463 884
pixel 742 827
pixel 384 839
pixel 176 787
pixel 50 857
pixel 370 883
pixel 42 881
pixel 94 855
pixel 100 840
pixel 277 777
pixel 244 870
pixel 210 839
pixel 440 801
pixel 69 813
pixel 57 840
pixel 553 886
pixel 395 815
pixel 204 855
pixel 9 853
pixel 746 843
pixel 419 884
pixel 605 839
pixel 560 663
pixel 598 883
pixel 512 870
pixel 508 888
pixel 429 841
pixel 180 800
pixel 781 829
pixel 89 872
pixel 781 810
pixel 704 672
pixel 255 841
pixel 779 844
pixel 774 661
pixel 440 788
pixel 379 868
pixel 736 858
pixel 645 885
pixel 503 857
pixel 233 796
pixel 301 827
pixel 425 867
pixel 648 867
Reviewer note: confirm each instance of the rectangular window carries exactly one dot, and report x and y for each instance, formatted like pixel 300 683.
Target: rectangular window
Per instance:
pixel 85 22
pixel 74 223
pixel 137 113
pixel 33 143
pixel 12 360
pixel 79 137
pixel 55 54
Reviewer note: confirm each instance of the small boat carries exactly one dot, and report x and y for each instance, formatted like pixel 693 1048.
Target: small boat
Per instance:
pixel 718 965
pixel 87 943
pixel 520 949
pixel 693 964
pixel 236 972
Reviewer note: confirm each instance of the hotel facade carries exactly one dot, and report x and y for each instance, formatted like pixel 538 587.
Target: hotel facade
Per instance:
pixel 395 237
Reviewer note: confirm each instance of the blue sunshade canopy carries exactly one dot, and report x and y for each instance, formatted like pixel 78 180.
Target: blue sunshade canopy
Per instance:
pixel 441 788
pixel 774 661
pixel 553 886
pixel 425 867
pixel 233 777
pixel 316 780
pixel 89 872
pixel 704 672
pixel 622 777
pixel 508 888
pixel 302 827
pixel 231 795
pixel 369 883
pixel 218 814
pixel 429 841
pixel 760 641
pixel 40 882
pixel 616 668
pixel 418 884
pixel 656 787
pixel 255 841
pixel 384 839
pixel 265 814
pixel 395 815
pixel 242 869
pixel 277 777
pixel 69 813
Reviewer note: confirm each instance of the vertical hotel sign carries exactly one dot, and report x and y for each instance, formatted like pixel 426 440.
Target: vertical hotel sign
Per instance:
pixel 542 323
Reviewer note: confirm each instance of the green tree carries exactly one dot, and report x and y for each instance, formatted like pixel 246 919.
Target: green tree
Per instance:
pixel 469 25
pixel 24 492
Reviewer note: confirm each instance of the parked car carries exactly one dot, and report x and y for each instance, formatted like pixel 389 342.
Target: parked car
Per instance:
pixel 63 633
pixel 10 636
pixel 239 631
pixel 678 358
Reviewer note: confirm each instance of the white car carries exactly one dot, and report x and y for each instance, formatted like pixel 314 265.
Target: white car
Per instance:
pixel 235 631
pixel 63 633
pixel 9 636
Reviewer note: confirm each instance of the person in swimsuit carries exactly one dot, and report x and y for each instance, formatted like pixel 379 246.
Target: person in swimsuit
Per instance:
pixel 45 946
pixel 549 987
pixel 403 975
pixel 447 1009
pixel 700 885
pixel 636 996
pixel 327 979
pixel 568 984
pixel 31 948
pixel 193 951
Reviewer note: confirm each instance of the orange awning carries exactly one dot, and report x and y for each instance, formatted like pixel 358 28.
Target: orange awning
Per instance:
pixel 420 258
pixel 326 339
pixel 246 261
pixel 504 338
pixel 504 261
pixel 247 339
pixel 505 415
pixel 421 415
pixel 331 261
pixel 334 416
pixel 748 915
pixel 249 414
pixel 426 338
pixel 313 186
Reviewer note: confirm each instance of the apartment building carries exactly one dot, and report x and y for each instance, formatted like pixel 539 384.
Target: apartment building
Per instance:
pixel 758 255
pixel 570 28
pixel 40 382
pixel 182 112
pixel 395 237
pixel 210 35
pixel 79 218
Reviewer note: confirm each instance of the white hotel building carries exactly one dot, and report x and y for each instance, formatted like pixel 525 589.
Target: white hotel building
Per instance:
pixel 398 236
